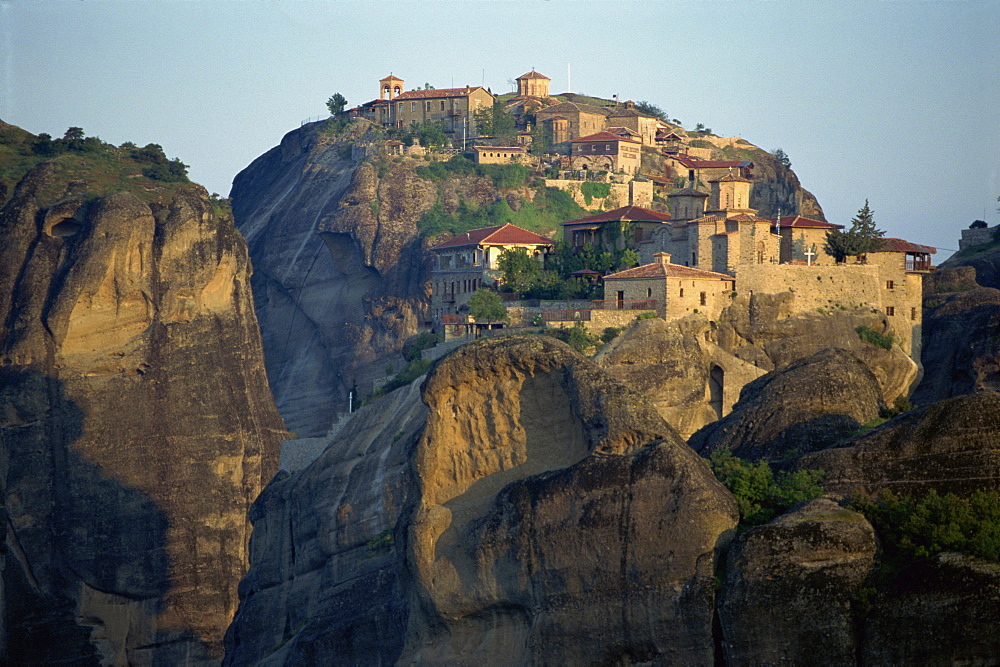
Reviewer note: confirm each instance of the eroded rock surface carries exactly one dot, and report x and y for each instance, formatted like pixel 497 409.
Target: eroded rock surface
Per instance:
pixel 549 515
pixel 809 405
pixel 339 270
pixel 789 586
pixel 961 333
pixel 939 612
pixel 950 446
pixel 137 426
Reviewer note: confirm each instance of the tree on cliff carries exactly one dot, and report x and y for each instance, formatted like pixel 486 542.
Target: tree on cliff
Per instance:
pixel 861 238
pixel 486 306
pixel 497 123
pixel 651 109
pixel 782 157
pixel 336 104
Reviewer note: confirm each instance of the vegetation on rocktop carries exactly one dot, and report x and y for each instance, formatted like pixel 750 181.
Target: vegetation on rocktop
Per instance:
pixel 861 238
pixel 91 166
pixel 913 527
pixel 760 493
pixel 544 212
pixel 869 335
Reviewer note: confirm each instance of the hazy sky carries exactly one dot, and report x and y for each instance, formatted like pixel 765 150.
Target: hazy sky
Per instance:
pixel 896 102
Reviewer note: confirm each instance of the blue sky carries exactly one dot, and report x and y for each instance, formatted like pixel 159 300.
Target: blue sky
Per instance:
pixel 894 102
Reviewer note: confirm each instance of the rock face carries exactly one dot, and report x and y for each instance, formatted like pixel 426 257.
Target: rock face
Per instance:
pixel 941 612
pixel 961 351
pixel 789 586
pixel 527 508
pixel 136 427
pixel 677 367
pixel 985 264
pixel 809 405
pixel 693 369
pixel 950 446
pixel 339 271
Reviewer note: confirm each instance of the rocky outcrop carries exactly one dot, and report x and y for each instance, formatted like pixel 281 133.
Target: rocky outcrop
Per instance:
pixel 961 349
pixel 950 446
pixel 339 270
pixel 689 379
pixel 527 508
pixel 762 330
pixel 789 585
pixel 985 263
pixel 693 369
pixel 942 611
pixel 809 405
pixel 136 427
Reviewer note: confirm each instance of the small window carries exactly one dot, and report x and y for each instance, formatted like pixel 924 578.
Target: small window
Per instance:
pixel 913 313
pixel 890 311
pixel 889 284
pixel 649 292
pixel 704 299
pixel 413 106
pixel 682 292
pixel 442 105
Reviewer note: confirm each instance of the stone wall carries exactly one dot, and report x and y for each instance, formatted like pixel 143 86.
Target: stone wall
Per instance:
pixel 814 286
pixel 639 193
pixel 971 237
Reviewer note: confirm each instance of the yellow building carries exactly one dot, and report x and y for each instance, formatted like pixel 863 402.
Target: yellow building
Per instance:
pixel 641 123
pixel 569 120
pixel 533 84
pixel 675 291
pixel 455 108
pixel 605 151
pixel 499 154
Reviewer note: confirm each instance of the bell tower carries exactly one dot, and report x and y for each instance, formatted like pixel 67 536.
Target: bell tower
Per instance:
pixel 389 87
pixel 730 193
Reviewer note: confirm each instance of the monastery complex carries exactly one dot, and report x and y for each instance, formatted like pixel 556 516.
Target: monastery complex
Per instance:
pixel 706 247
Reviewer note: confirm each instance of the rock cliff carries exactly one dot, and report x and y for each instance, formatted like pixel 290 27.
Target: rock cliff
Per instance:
pixel 339 271
pixel 961 350
pixel 520 506
pixel 694 369
pixel 136 423
pixel 951 446
pixel 811 404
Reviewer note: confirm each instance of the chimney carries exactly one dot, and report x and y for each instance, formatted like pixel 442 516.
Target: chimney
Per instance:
pixel 663 258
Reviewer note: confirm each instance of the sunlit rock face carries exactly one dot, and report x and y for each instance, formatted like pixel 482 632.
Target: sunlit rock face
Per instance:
pixel 520 506
pixel 339 270
pixel 137 425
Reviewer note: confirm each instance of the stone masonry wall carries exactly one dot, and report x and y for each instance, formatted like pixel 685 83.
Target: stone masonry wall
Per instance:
pixel 813 286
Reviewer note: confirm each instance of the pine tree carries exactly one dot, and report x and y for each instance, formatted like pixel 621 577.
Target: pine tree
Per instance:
pixel 863 236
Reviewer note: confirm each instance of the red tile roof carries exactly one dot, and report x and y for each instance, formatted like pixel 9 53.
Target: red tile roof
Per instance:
pixel 899 245
pixel 391 78
pixel 433 94
pixel 628 213
pixel 500 235
pixel 800 222
pixel 657 270
pixel 688 192
pixel 604 136
pixel 533 75
pixel 731 178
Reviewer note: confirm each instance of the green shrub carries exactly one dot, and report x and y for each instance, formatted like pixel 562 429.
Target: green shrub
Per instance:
pixel 423 340
pixel 576 337
pixel 610 333
pixel 408 374
pixel 913 527
pixel 875 338
pixel 760 494
pixel 646 316
pixel 594 190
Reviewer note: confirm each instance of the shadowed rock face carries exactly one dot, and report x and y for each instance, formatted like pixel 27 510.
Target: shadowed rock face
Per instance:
pixel 789 585
pixel 961 349
pixel 950 446
pixel 521 506
pixel 136 427
pixel 809 405
pixel 339 270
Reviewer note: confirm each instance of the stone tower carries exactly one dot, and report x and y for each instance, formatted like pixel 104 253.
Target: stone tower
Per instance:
pixel 533 84
pixel 389 87
pixel 687 204
pixel 730 193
